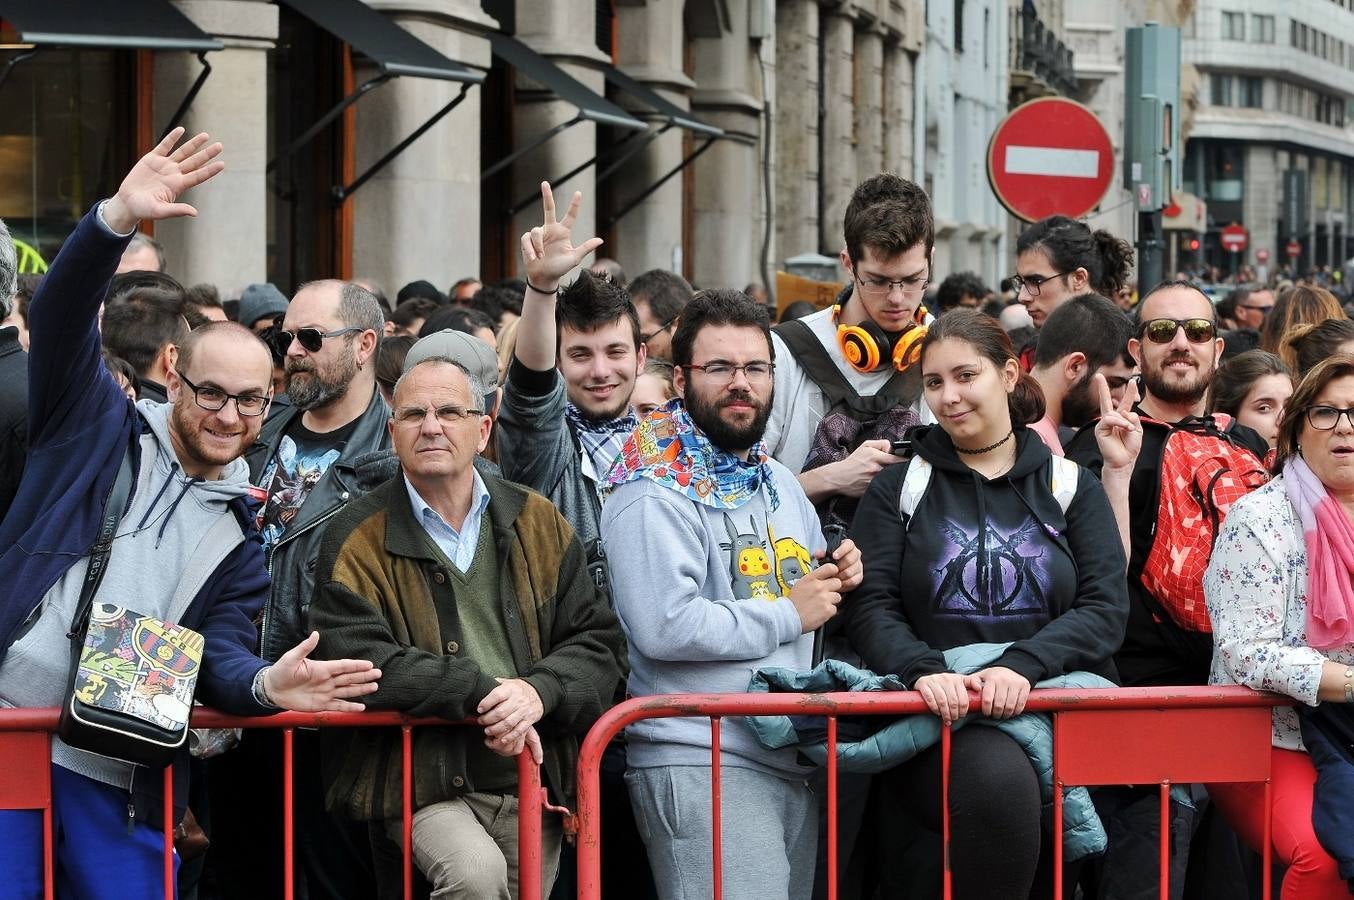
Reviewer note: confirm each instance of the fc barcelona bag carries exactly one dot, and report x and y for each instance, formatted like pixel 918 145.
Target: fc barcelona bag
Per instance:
pixel 130 691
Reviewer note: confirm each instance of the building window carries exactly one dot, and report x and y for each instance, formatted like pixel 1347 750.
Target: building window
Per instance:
pixel 1233 26
pixel 1262 29
pixel 1222 90
pixel 1252 91
pixel 958 26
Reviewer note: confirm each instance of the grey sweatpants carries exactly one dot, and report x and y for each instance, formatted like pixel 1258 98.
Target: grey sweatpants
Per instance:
pixel 769 832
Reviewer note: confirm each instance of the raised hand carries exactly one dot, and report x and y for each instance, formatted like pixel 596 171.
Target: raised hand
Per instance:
pixel 299 683
pixel 1119 430
pixel 548 252
pixel 151 189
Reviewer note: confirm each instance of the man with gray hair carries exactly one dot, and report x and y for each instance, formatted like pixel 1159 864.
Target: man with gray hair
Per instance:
pixel 143 254
pixel 13 380
pixel 306 463
pixel 474 593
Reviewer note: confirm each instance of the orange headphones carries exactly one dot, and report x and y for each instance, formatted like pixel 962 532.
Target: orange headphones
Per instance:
pixel 864 346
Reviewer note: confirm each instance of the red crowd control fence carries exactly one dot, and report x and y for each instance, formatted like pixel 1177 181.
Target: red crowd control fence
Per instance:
pixel 1117 736
pixel 25 783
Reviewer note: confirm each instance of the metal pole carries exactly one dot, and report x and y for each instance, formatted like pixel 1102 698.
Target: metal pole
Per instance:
pixel 1149 248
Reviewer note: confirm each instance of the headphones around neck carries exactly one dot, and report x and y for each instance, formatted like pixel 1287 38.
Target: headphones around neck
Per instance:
pixel 866 345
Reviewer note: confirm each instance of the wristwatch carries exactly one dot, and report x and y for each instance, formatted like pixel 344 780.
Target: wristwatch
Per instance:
pixel 1349 684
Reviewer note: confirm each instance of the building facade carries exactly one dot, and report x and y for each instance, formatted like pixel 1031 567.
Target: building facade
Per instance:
pixel 1273 141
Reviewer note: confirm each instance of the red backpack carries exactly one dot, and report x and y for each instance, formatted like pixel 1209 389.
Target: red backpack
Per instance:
pixel 1203 470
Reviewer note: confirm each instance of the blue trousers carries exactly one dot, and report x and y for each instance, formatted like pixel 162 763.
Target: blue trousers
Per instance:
pixel 96 855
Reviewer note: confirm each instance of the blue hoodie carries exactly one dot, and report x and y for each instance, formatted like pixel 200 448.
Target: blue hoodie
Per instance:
pixel 80 425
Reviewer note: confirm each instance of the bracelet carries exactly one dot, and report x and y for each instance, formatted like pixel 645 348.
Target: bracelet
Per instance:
pixel 1349 684
pixel 538 290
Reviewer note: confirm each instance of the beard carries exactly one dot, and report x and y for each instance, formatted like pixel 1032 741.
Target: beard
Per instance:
pixel 1080 405
pixel 724 435
pixel 1188 391
pixel 601 416
pixel 187 426
pixel 311 386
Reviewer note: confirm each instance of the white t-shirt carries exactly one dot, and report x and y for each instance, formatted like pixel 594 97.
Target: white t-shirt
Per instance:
pixel 799 404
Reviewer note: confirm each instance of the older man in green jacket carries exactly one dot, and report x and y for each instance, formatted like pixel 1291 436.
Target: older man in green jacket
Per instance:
pixel 472 595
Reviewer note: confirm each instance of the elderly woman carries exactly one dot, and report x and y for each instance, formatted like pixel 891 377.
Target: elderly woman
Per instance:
pixel 1281 597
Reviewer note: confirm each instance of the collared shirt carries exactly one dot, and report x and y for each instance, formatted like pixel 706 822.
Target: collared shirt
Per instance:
pixel 459 546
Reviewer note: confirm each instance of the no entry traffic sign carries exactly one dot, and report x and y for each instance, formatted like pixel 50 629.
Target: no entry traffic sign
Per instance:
pixel 1234 239
pixel 1050 157
pixel 1294 248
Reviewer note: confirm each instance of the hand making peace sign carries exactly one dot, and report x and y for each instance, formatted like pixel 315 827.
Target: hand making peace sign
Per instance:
pixel 547 250
pixel 1119 429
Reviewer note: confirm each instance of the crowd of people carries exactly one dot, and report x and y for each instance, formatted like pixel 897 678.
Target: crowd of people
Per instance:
pixel 515 504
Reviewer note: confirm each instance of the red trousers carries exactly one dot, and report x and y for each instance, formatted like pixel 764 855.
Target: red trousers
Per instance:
pixel 1312 873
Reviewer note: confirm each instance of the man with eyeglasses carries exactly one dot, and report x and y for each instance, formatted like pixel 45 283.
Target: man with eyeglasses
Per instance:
pixel 305 462
pixel 474 594
pixel 843 367
pixel 183 548
pixel 712 546
pixel 1178 348
pixel 659 296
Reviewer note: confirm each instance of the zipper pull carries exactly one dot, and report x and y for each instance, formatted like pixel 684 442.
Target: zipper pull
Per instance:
pixel 131 817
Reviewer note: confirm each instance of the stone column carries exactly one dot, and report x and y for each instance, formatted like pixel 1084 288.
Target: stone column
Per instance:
pixel 651 49
pixel 226 244
pixel 564 32
pixel 1262 198
pixel 796 128
pixel 898 106
pixel 728 207
pixel 419 216
pixel 869 105
pixel 839 156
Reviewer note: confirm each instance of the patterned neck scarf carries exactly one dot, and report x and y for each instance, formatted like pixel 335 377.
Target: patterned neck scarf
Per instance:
pixel 669 449
pixel 1329 535
pixel 600 440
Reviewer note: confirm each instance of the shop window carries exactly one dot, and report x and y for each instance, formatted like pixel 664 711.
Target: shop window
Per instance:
pixel 67 134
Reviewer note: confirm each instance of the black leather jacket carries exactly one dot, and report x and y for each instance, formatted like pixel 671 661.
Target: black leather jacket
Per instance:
pixel 291 561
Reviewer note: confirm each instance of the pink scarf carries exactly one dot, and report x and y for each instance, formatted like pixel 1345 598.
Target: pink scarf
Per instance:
pixel 1330 557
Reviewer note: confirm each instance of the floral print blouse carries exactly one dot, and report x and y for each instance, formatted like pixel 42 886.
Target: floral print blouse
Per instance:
pixel 1256 589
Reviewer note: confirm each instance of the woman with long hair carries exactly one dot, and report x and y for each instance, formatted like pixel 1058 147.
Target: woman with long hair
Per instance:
pixel 1302 305
pixel 997 563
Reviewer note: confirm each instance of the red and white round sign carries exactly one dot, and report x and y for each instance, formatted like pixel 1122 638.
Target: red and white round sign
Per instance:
pixel 1262 255
pixel 1050 157
pixel 1294 249
pixel 1234 238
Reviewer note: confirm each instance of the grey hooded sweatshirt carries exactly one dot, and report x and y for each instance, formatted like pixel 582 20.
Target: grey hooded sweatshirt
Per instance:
pixel 172 517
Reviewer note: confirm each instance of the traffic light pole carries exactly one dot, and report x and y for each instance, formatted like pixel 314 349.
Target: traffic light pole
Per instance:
pixel 1150 250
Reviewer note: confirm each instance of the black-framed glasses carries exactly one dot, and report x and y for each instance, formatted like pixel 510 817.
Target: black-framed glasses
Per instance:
pixel 879 288
pixel 1162 331
pixel 724 372
pixel 215 399
pixel 1325 418
pixel 312 339
pixel 447 415
pixel 1032 284
pixel 645 338
pixel 1260 309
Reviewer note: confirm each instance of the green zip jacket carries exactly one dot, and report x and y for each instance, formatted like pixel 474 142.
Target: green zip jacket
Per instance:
pixel 383 595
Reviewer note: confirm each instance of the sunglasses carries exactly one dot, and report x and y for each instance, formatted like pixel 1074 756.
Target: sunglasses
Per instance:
pixel 1162 331
pixel 312 339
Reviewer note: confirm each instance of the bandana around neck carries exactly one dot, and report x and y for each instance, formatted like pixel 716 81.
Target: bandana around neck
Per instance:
pixel 669 449
pixel 600 440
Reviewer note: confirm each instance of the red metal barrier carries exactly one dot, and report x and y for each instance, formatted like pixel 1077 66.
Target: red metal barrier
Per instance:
pixel 1118 736
pixel 25 783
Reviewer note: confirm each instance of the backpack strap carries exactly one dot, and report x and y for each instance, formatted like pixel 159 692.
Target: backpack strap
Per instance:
pixel 902 389
pixel 1064 477
pixel 1063 481
pixel 915 483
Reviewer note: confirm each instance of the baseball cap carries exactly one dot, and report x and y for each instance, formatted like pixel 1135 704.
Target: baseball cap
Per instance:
pixel 477 356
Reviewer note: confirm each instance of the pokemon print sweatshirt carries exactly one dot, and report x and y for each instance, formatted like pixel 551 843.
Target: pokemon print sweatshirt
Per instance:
pixel 701 595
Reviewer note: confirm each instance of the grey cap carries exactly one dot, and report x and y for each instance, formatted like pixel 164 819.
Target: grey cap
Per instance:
pixel 478 357
pixel 259 300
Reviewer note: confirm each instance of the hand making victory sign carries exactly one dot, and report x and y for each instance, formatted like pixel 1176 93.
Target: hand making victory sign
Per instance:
pixel 548 250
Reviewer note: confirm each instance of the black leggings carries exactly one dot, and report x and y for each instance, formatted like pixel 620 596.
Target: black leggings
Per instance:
pixel 995 832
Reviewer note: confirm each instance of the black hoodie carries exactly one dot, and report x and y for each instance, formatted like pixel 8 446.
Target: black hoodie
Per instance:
pixel 988 561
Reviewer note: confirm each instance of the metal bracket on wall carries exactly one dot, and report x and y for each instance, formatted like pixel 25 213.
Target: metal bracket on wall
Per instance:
pixel 342 193
pixel 188 98
pixel 624 151
pixel 647 192
pixel 14 61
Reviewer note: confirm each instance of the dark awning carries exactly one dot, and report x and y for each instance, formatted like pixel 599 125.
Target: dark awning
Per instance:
pixel 131 24
pixel 592 106
pixel 659 104
pixel 393 49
